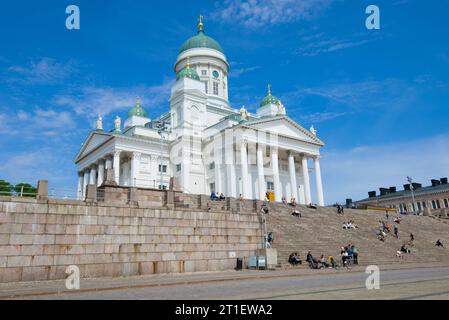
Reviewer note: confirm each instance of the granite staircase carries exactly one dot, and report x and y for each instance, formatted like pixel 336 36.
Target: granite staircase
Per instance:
pixel 320 231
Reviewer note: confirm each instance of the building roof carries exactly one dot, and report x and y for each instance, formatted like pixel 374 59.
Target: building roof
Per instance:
pixel 201 41
pixel 137 111
pixel 407 193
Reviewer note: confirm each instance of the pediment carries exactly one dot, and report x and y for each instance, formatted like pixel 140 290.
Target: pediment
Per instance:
pixel 94 140
pixel 285 126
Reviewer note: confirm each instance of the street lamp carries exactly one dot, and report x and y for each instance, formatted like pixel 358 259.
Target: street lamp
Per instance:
pixel 161 127
pixel 410 180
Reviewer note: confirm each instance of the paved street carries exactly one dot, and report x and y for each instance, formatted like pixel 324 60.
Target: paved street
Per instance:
pixel 414 283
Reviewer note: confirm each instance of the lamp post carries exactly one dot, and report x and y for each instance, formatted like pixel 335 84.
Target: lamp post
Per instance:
pixel 410 180
pixel 161 127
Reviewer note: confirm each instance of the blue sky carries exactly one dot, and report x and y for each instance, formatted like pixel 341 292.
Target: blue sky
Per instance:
pixel 378 98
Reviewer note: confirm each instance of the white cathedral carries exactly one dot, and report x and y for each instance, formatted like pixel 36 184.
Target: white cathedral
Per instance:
pixel 205 144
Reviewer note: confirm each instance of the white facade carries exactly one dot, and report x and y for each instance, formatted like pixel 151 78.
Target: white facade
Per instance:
pixel 208 146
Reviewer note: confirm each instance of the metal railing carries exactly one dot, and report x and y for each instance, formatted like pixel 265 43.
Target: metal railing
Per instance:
pixel 64 194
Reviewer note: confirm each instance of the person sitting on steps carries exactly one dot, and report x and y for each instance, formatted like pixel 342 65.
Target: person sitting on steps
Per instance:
pixel 222 197
pixel 296 213
pixel 284 200
pixel 214 196
pixel 313 263
pixel 439 244
pixel 404 249
pixel 293 202
pixel 312 206
pixel 324 262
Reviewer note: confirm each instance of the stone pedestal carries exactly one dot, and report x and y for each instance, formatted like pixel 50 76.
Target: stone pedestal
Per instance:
pixel 170 199
pixel 110 179
pixel 42 190
pixel 271 256
pixel 204 202
pixel 133 197
pixel 91 193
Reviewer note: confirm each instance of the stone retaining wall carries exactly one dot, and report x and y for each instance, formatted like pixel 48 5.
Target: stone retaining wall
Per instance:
pixel 121 236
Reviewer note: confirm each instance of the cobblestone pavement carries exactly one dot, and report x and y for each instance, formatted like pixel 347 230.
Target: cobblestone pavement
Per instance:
pixel 410 283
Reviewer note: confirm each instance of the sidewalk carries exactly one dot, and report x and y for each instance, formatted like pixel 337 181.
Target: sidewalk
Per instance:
pixel 33 289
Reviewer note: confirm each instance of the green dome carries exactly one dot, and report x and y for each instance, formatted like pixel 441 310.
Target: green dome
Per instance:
pixel 187 73
pixel 201 41
pixel 269 100
pixel 137 111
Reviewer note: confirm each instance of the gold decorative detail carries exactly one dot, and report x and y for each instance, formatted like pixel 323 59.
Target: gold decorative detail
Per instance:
pixel 138 103
pixel 188 62
pixel 200 25
pixel 269 90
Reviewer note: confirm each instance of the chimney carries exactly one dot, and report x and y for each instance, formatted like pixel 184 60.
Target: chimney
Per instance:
pixel 348 203
pixel 384 191
pixel 407 187
pixel 392 189
pixel 372 194
pixel 435 182
pixel 416 186
pixel 443 180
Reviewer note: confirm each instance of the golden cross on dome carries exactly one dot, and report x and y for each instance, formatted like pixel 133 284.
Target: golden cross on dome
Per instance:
pixel 138 102
pixel 269 89
pixel 201 25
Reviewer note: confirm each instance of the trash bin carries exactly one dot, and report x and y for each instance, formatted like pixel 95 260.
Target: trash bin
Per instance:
pixel 239 266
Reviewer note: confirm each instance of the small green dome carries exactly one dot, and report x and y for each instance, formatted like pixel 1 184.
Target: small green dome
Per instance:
pixel 187 72
pixel 269 100
pixel 137 111
pixel 201 41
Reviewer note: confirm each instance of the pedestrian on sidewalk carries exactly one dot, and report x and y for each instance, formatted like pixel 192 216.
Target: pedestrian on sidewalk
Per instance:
pixel 396 231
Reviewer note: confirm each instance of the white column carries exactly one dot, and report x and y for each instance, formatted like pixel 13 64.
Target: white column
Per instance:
pixel 108 163
pixel 260 172
pixel 93 175
pixel 292 170
pixel 231 182
pixel 135 164
pixel 276 180
pixel 305 174
pixel 319 183
pixel 116 166
pixel 244 165
pixel 80 185
pixel 100 173
pixel 85 182
pixel 217 174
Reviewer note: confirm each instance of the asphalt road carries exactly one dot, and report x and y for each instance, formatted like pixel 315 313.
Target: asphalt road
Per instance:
pixel 418 283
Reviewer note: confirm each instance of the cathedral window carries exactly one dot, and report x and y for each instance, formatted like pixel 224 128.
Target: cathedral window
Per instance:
pixel 178 167
pixel 164 168
pixel 204 72
pixel 216 88
pixel 206 87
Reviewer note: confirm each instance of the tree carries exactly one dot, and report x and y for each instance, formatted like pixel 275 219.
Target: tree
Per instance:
pixel 25 190
pixel 5 188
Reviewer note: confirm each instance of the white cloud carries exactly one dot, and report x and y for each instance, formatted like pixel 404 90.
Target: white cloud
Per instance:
pixel 315 43
pixel 322 116
pixel 43 72
pixel 37 123
pixel 90 101
pixel 237 72
pixel 361 95
pixel 352 173
pixel 257 13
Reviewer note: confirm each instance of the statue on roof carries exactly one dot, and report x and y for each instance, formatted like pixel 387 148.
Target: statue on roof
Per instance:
pixel 313 130
pixel 99 123
pixel 244 113
pixel 118 123
pixel 281 108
